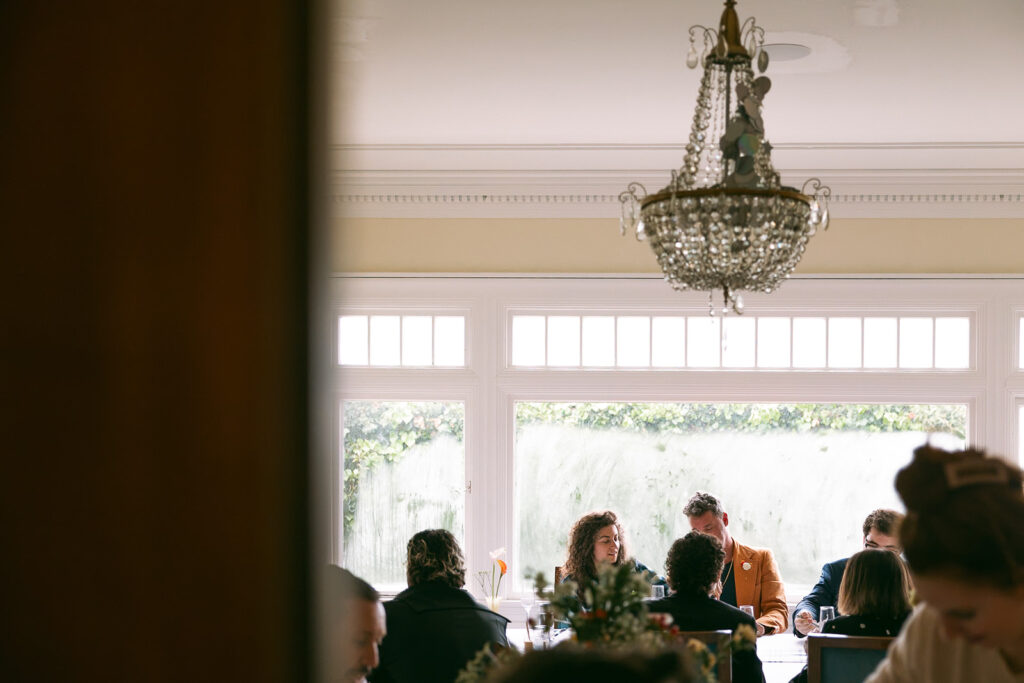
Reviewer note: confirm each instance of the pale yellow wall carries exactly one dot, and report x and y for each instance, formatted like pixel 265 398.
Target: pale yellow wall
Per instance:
pixel 594 246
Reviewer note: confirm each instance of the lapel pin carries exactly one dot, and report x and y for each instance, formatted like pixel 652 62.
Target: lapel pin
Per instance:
pixel 746 566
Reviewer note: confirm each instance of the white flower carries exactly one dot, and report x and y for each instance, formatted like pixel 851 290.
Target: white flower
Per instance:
pixel 495 554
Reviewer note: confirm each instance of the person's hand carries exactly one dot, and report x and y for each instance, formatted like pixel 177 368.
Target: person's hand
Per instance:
pixel 804 622
pixel 760 628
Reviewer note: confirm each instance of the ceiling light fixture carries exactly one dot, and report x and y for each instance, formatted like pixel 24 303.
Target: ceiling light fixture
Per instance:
pixel 724 222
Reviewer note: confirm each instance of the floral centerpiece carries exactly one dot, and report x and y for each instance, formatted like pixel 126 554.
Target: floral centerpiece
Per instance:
pixel 615 617
pixel 490 582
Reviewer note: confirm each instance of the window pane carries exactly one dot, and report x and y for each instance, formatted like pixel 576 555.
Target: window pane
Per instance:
pixel 879 342
pixel 599 341
pixel 952 343
pixel 353 343
pixel 450 340
pixel 844 342
pixel 738 342
pixel 633 342
pixel 915 342
pixel 385 340
pixel 417 340
pixel 703 342
pixel 668 336
pixel 528 340
pixel 773 342
pixel 644 460
pixel 808 342
pixel 1020 434
pixel 564 340
pixel 403 470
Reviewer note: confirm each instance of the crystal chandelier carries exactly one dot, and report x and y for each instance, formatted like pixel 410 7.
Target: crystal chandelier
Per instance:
pixel 724 222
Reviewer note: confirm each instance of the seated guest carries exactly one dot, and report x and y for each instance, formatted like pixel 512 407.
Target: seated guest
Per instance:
pixel 750 575
pixel 880 528
pixel 358 606
pixel 874 597
pixel 595 539
pixel 964 541
pixel 434 626
pixel 694 565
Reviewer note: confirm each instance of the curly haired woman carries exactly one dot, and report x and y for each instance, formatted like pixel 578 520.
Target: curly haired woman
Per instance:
pixel 595 539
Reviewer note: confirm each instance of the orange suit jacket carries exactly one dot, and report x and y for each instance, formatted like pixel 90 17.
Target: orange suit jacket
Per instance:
pixel 758 583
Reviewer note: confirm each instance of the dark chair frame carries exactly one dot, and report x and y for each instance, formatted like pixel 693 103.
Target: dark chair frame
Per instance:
pixel 816 642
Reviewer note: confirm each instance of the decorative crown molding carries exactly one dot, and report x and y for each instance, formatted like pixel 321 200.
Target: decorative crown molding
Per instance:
pixel 890 180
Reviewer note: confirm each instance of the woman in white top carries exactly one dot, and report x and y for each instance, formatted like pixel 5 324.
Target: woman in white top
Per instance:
pixel 963 537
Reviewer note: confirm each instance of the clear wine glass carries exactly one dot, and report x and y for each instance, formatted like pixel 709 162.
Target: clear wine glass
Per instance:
pixel 825 614
pixel 527 601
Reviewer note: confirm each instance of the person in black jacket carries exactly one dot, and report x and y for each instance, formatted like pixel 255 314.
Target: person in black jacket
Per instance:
pixel 434 627
pixel 694 566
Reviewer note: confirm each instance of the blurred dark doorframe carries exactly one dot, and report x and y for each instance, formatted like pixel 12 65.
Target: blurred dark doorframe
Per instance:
pixel 155 193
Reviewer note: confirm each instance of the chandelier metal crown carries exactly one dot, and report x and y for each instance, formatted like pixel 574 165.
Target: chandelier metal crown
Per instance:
pixel 725 222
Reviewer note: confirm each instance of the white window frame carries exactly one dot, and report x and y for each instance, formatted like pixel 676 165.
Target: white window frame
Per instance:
pixel 992 387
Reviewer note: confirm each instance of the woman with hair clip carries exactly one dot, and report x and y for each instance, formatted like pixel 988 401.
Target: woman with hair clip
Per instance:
pixel 964 541
pixel 595 539
pixel 874 597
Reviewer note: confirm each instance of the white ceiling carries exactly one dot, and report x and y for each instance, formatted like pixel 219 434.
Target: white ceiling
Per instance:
pixel 440 99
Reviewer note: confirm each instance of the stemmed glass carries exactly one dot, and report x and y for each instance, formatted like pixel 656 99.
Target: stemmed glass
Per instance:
pixel 825 614
pixel 526 601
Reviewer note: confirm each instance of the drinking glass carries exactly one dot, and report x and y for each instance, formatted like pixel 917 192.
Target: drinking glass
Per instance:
pixel 747 609
pixel 527 601
pixel 825 614
pixel 657 592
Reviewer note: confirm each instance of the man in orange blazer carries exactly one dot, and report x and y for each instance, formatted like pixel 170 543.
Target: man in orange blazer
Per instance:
pixel 750 575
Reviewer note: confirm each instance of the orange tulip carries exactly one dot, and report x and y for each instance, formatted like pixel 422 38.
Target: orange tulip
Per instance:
pixel 504 567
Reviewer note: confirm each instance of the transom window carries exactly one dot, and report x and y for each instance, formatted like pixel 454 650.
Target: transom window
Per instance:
pixel 634 341
pixel 402 340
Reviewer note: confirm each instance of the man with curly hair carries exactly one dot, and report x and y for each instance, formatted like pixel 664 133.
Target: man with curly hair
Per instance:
pixel 750 575
pixel 694 565
pixel 434 626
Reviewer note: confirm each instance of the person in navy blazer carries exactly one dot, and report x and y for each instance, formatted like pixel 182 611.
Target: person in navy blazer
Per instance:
pixel 694 566
pixel 880 529
pixel 434 627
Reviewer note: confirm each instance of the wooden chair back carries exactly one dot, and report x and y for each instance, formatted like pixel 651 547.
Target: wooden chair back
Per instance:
pixel 715 642
pixel 834 658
